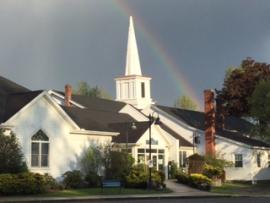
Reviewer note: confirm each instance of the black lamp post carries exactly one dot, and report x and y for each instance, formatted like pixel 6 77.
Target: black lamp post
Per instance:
pixel 131 126
pixel 156 121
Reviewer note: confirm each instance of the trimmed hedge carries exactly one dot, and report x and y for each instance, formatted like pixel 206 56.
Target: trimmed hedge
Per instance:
pixel 22 183
pixel 195 180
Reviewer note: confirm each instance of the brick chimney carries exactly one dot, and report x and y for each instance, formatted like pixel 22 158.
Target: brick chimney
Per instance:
pixel 68 94
pixel 209 106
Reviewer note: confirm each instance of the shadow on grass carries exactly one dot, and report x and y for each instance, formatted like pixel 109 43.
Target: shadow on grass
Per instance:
pixel 262 188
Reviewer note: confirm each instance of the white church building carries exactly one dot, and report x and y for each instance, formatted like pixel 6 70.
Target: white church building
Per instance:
pixel 54 127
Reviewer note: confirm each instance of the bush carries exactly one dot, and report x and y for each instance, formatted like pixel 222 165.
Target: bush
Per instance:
pixel 22 183
pixel 200 181
pixel 92 180
pixel 137 178
pixel 212 171
pixel 11 156
pixel 51 183
pixel 195 180
pixel 73 179
pixel 92 160
pixel 182 178
pixel 118 165
pixel 173 170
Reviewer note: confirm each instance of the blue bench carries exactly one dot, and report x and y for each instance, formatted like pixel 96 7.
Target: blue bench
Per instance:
pixel 111 184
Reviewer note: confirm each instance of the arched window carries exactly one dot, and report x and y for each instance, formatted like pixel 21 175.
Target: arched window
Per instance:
pixel 40 150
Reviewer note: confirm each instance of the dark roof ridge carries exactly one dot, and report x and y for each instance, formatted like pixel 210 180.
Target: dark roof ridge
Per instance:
pixel 239 137
pixel 92 109
pixel 98 98
pixel 195 111
pixel 27 92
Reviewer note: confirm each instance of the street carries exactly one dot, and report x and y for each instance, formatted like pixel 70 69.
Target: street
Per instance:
pixel 185 200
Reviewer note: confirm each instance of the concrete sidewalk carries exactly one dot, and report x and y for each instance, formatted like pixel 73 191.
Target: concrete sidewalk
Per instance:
pixel 181 189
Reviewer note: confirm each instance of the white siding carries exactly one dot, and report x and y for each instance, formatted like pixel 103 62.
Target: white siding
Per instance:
pixel 65 148
pixel 250 170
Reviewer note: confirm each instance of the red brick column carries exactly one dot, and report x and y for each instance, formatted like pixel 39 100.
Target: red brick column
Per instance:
pixel 209 106
pixel 68 94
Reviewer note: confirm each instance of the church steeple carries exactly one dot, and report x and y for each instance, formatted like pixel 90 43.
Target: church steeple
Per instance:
pixel 133 66
pixel 133 88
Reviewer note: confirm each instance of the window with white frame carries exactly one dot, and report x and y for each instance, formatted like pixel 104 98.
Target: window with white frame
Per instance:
pixel 238 160
pixel 182 158
pixel 40 150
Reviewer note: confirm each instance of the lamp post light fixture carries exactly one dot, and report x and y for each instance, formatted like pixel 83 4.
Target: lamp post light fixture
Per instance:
pixel 131 126
pixel 156 121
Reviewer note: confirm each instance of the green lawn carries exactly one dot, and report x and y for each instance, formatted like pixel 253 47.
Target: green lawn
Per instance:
pixel 243 188
pixel 98 191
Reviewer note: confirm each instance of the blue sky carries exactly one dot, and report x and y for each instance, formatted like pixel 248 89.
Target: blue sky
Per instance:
pixel 46 44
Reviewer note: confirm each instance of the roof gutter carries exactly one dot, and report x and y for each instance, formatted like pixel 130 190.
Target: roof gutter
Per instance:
pixel 93 132
pixel 241 143
pixel 5 126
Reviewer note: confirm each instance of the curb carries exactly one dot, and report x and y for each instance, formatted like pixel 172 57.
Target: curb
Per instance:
pixel 112 197
pixel 121 197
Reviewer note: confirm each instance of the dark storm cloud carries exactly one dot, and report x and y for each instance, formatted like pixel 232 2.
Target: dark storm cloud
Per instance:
pixel 45 44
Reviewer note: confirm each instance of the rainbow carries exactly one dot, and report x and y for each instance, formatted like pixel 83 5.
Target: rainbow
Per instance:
pixel 182 84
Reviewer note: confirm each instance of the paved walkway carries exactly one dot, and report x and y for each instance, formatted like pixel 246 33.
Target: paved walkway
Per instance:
pixel 183 190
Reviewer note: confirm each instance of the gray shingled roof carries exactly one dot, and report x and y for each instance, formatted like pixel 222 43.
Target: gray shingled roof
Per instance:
pixel 96 103
pixel 124 128
pixel 16 101
pixel 235 128
pixel 91 119
pixel 9 87
pixel 12 98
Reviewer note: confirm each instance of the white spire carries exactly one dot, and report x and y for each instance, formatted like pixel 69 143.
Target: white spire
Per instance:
pixel 133 66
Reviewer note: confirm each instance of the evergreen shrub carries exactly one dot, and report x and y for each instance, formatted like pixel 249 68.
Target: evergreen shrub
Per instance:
pixel 92 180
pixel 195 180
pixel 11 156
pixel 22 183
pixel 73 179
pixel 139 177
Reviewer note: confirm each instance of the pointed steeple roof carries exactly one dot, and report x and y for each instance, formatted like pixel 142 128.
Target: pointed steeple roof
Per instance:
pixel 133 66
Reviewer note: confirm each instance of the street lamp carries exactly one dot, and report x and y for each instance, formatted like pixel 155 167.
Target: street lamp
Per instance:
pixel 131 126
pixel 156 121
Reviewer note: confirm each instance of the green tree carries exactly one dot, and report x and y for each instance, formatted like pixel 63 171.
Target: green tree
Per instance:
pixel 85 90
pixel 92 160
pixel 260 109
pixel 11 156
pixel 117 164
pixel 239 84
pixel 185 102
pixel 229 71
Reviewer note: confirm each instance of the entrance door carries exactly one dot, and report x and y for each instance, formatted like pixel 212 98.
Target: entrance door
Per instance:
pixel 157 157
pixel 154 158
